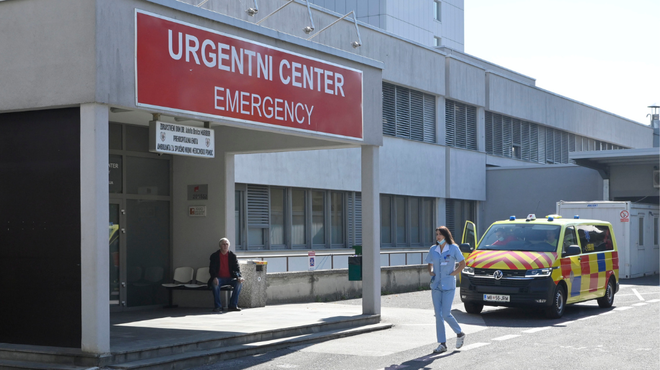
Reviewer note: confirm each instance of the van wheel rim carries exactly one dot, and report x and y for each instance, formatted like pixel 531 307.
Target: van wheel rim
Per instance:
pixel 560 302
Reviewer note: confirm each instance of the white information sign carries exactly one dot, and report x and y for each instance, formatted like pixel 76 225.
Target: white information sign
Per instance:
pixel 311 260
pixel 199 211
pixel 170 138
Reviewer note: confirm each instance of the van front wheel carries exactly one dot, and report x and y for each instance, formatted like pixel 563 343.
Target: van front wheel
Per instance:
pixel 607 300
pixel 556 310
pixel 474 308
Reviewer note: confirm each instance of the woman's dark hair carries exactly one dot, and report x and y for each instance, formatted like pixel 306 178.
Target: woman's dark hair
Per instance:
pixel 446 233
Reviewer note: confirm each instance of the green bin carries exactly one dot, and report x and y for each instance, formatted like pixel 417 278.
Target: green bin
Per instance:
pixel 355 268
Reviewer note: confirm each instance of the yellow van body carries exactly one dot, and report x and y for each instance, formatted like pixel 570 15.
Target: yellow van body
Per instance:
pixel 513 265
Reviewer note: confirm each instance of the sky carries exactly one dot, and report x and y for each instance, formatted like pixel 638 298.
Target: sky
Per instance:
pixel 602 53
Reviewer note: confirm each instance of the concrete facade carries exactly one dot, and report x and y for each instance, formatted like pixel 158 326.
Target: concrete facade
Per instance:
pixel 78 54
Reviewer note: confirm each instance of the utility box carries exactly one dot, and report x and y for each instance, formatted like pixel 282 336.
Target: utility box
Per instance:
pixel 253 291
pixel 355 268
pixel 635 229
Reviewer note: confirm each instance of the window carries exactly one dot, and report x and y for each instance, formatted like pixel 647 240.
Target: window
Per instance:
pixel 400 203
pixel 238 211
pixel 594 238
pixel 258 216
pixel 569 238
pixel 437 10
pixel 298 232
pixel 271 217
pixel 513 138
pixel 318 217
pixel 385 219
pixel 408 114
pixel 337 217
pixel 406 221
pixel 656 225
pixel 640 227
pixel 276 216
pixel 460 125
pixel 437 41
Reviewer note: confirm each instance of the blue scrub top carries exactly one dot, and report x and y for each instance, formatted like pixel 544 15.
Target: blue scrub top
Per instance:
pixel 452 255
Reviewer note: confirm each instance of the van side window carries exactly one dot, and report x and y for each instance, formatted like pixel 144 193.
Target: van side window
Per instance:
pixel 595 238
pixel 569 238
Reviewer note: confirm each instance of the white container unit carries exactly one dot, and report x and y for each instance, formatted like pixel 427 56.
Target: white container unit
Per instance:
pixel 635 229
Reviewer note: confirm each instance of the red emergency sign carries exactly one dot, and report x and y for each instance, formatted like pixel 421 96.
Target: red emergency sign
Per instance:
pixel 185 68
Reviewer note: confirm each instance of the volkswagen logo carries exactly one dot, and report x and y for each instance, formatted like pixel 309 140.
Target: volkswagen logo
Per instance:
pixel 498 274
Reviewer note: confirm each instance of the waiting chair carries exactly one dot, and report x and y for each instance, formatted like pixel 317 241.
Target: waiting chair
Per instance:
pixel 182 276
pixel 201 278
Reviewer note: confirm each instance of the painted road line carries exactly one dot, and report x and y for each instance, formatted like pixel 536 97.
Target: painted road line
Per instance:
pixel 654 300
pixel 473 346
pixel 638 295
pixel 640 304
pixel 530 331
pixel 605 313
pixel 506 337
pixel 587 317
pixel 623 308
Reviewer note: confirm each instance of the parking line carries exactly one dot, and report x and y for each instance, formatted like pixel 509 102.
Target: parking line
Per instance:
pixel 640 304
pixel 506 337
pixel 530 331
pixel 623 308
pixel 473 346
pixel 638 295
pixel 654 300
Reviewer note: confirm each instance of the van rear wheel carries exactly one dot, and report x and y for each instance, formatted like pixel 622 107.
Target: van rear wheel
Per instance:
pixel 607 300
pixel 474 308
pixel 556 310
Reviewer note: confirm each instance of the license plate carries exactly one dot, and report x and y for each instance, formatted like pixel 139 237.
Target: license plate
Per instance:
pixel 496 298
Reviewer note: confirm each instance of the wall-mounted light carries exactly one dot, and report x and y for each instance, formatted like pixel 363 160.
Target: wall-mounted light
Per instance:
pixel 355 44
pixel 253 11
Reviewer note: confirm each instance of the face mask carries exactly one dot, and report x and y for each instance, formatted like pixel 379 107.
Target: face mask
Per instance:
pixel 442 242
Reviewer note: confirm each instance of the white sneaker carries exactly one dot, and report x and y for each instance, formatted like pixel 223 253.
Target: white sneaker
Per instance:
pixel 441 348
pixel 459 341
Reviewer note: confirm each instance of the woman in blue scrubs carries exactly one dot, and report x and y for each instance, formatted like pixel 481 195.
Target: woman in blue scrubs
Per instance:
pixel 445 261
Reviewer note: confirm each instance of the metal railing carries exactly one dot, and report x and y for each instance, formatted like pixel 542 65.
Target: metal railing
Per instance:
pixel 332 255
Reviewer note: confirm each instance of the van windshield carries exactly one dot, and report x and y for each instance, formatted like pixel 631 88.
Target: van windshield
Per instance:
pixel 521 237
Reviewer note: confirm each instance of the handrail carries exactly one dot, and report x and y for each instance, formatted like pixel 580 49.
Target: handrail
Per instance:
pixel 304 253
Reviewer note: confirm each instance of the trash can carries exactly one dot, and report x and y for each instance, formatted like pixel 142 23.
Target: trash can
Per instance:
pixel 355 268
pixel 253 292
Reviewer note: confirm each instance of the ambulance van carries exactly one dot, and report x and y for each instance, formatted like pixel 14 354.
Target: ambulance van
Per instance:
pixel 544 263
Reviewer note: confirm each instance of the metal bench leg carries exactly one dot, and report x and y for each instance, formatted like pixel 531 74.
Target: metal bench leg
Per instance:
pixel 225 299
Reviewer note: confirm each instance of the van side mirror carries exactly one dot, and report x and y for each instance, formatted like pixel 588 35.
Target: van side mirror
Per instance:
pixel 573 250
pixel 465 248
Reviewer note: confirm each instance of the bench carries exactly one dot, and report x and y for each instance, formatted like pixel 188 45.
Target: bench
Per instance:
pixel 184 275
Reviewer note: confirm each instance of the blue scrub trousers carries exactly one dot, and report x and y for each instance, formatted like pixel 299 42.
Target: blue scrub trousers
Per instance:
pixel 442 300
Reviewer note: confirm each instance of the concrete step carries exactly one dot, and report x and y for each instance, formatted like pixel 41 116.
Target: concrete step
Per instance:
pixel 181 355
pixel 205 357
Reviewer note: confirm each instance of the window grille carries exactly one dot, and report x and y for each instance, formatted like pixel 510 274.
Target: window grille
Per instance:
pixel 257 206
pixel 489 133
pixel 355 219
pixel 408 114
pixel 460 125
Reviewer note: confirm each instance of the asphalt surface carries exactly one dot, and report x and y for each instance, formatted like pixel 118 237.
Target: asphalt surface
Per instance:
pixel 587 337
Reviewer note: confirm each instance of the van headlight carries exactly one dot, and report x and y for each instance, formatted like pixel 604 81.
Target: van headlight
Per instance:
pixel 539 272
pixel 468 270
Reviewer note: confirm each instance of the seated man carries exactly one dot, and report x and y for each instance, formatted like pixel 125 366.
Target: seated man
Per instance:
pixel 224 270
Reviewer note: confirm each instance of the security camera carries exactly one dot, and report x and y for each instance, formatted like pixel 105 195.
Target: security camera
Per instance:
pixel 252 11
pixel 308 29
